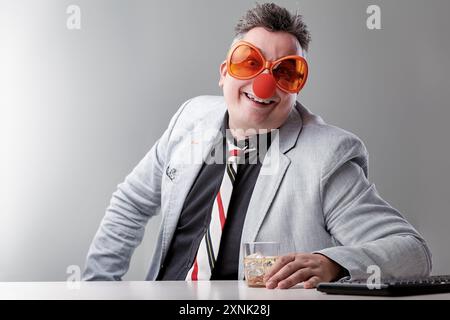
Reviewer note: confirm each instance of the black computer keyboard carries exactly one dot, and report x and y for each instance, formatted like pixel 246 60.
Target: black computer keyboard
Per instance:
pixel 432 284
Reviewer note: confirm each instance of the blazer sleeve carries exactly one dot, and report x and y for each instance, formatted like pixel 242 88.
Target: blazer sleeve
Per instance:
pixel 136 200
pixel 367 230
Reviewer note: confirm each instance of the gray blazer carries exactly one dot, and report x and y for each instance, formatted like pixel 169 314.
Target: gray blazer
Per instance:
pixel 314 196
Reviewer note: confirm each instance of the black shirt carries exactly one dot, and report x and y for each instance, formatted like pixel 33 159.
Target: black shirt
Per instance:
pixel 196 215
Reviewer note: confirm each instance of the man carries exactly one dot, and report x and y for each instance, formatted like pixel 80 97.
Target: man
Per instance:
pixel 308 190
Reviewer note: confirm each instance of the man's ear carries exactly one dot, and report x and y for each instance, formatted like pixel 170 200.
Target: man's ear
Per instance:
pixel 223 73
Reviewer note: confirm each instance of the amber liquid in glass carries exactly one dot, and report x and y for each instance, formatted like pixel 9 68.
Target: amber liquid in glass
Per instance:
pixel 255 268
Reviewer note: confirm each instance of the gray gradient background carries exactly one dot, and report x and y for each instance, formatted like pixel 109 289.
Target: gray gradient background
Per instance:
pixel 79 109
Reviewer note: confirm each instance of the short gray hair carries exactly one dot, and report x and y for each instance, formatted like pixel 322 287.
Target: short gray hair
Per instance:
pixel 274 18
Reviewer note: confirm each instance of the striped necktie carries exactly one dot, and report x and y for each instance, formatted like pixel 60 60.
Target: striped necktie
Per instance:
pixel 209 246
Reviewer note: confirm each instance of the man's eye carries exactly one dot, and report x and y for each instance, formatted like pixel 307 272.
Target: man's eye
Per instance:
pixel 285 72
pixel 252 63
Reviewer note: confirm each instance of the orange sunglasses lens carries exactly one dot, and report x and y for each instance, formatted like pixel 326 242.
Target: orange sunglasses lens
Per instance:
pixel 245 62
pixel 290 74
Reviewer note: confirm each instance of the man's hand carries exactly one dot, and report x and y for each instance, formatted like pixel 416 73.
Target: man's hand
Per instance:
pixel 294 268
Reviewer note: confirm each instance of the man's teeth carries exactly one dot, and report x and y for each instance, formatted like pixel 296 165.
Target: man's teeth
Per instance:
pixel 254 98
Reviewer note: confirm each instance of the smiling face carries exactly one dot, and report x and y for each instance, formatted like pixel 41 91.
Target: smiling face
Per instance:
pixel 246 113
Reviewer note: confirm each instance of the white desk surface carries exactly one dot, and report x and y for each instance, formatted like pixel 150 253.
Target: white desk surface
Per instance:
pixel 171 290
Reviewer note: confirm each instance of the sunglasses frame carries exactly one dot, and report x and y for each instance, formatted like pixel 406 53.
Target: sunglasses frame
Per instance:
pixel 266 65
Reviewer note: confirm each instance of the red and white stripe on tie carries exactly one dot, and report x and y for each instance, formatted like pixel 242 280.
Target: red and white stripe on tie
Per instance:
pixel 210 244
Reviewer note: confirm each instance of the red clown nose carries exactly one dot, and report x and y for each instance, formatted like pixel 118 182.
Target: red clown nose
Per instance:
pixel 264 86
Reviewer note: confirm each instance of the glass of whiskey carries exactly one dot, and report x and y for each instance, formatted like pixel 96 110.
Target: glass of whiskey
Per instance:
pixel 258 258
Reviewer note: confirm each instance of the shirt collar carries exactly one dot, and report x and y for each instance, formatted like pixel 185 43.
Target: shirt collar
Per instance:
pixel 249 142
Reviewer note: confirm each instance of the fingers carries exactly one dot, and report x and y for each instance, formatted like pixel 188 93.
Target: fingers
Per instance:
pixel 297 277
pixel 295 270
pixel 312 282
pixel 290 270
pixel 279 263
pixel 301 267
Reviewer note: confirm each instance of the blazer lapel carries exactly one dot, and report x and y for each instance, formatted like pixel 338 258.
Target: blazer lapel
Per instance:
pixel 199 144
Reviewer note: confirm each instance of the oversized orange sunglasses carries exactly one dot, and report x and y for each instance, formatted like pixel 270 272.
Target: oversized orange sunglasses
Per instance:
pixel 245 61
